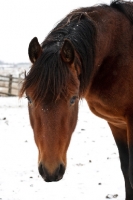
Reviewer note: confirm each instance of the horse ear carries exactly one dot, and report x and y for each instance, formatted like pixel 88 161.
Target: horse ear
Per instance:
pixel 67 52
pixel 34 50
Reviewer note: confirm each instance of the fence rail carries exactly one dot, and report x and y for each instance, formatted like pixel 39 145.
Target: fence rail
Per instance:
pixel 9 85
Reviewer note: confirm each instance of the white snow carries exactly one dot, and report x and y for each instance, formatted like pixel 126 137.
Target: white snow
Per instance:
pixel 93 170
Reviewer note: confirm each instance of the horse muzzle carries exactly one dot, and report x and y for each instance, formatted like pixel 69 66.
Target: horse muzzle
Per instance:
pixel 50 177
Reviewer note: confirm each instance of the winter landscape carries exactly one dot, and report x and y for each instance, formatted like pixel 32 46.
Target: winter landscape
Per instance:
pixel 93 169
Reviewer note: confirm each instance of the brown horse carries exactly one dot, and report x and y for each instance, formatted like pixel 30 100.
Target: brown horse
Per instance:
pixel 89 54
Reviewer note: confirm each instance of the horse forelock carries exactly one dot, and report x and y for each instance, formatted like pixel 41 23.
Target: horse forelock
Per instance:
pixel 47 78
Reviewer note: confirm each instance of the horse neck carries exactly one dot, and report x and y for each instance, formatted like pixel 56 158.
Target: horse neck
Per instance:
pixel 113 34
pixel 113 43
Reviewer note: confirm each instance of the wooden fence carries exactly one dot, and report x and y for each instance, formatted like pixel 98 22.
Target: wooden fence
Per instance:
pixel 9 85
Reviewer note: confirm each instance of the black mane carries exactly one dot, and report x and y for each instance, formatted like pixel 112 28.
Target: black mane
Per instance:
pixel 125 7
pixel 80 30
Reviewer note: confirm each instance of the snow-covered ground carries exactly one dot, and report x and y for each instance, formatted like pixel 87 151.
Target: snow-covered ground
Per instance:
pixel 93 169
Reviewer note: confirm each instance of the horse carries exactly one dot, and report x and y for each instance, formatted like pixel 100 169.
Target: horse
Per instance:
pixel 87 55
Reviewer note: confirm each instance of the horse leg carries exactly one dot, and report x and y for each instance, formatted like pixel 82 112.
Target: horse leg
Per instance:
pixel 120 136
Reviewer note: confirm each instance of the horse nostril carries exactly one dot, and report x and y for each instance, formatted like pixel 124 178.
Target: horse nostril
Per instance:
pixel 62 169
pixel 60 172
pixel 41 170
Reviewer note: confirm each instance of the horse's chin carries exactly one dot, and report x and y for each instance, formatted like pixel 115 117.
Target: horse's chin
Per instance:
pixel 56 180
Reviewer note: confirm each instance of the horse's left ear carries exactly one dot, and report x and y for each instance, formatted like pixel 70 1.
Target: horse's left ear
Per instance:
pixel 67 52
pixel 34 50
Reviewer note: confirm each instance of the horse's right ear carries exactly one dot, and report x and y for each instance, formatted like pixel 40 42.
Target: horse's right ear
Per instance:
pixel 34 50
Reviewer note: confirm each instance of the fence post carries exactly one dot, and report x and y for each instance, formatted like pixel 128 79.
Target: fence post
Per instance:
pixel 20 81
pixel 10 85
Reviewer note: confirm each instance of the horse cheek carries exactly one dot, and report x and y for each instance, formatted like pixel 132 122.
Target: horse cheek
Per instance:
pixel 30 116
pixel 35 124
pixel 73 116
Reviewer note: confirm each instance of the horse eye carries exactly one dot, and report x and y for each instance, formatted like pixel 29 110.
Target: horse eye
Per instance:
pixel 73 99
pixel 29 100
